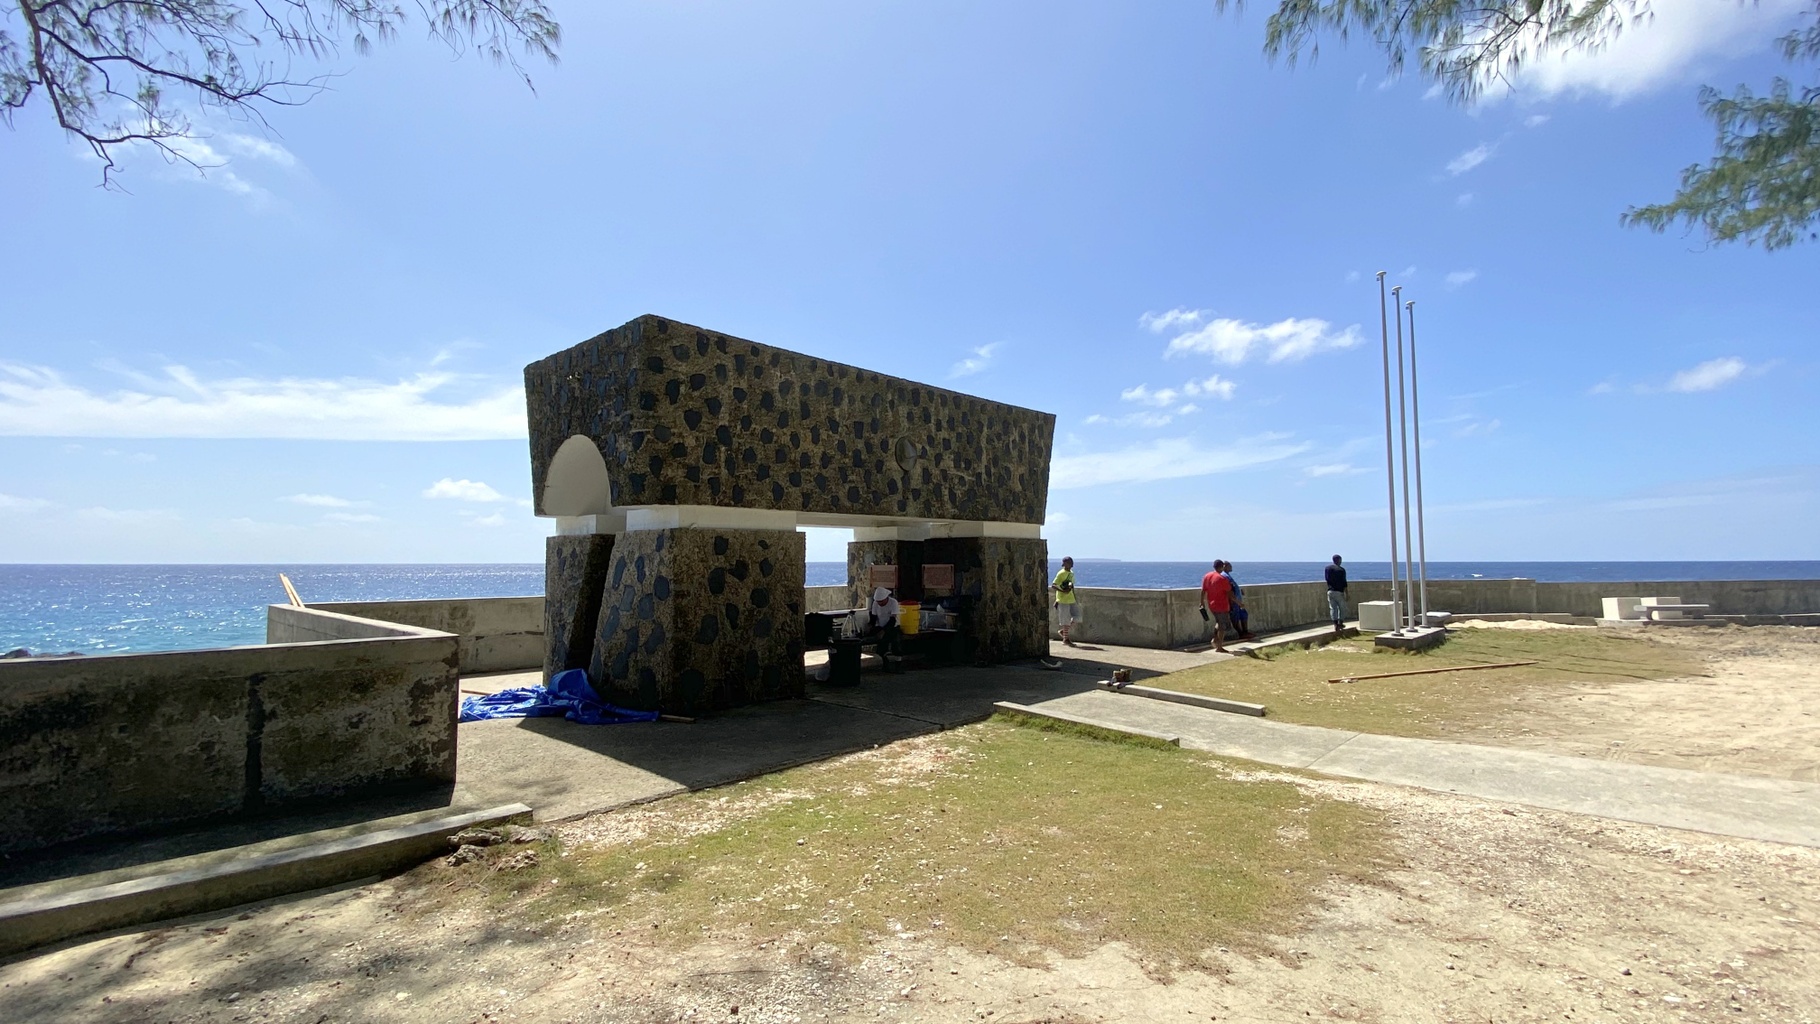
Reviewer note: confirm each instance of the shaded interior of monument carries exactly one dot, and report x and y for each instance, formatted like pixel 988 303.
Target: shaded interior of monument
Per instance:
pixel 679 463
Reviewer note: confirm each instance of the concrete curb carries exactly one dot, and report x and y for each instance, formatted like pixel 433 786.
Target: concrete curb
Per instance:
pixel 1063 716
pixel 1309 637
pixel 1236 707
pixel 36 921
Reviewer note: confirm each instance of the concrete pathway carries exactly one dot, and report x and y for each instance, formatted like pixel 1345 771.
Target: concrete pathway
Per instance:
pixel 1777 810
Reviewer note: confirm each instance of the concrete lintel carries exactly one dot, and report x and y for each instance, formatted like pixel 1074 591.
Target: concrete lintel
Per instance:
pixel 706 517
pixel 35 921
pixel 582 526
pixel 945 530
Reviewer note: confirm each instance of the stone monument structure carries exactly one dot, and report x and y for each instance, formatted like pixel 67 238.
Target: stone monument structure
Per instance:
pixel 678 463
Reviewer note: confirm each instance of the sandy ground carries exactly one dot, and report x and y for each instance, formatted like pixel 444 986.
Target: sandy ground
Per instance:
pixel 1758 713
pixel 1499 913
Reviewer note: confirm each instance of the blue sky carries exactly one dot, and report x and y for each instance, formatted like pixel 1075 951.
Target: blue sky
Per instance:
pixel 1119 213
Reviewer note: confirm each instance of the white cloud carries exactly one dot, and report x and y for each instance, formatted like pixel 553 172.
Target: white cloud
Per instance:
pixel 1471 158
pixel 1680 41
pixel 1056 519
pixel 1409 271
pixel 1331 469
pixel 1601 388
pixel 36 401
pixel 1459 277
pixel 1095 418
pixel 1215 386
pixel 1535 120
pixel 1478 428
pixel 1463 200
pixel 1187 409
pixel 1708 375
pixel 1175 319
pixel 1232 341
pixel 979 360
pixel 496 519
pixel 1147 419
pixel 1167 459
pixel 321 501
pixel 462 490
pixel 12 503
pixel 1352 276
pixel 352 517
pixel 1162 398
pixel 256 148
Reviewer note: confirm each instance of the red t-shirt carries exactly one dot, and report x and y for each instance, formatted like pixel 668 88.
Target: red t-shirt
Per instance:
pixel 1216 591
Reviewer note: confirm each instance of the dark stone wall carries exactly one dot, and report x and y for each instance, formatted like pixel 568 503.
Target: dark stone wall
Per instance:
pixel 1005 578
pixel 693 621
pixel 687 416
pixel 907 555
pixel 574 572
pixel 1003 581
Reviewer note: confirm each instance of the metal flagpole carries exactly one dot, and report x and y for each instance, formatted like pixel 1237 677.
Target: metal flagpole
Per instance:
pixel 1415 413
pixel 1390 457
pixel 1409 553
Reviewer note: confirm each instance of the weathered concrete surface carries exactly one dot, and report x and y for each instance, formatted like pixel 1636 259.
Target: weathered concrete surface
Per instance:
pixel 227 878
pixel 1770 809
pixel 1141 618
pixel 1231 707
pixel 574 578
pixel 497 634
pixel 827 599
pixel 119 743
pixel 686 416
pixel 694 621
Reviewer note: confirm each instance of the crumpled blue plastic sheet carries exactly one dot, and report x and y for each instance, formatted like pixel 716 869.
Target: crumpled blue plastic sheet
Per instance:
pixel 568 694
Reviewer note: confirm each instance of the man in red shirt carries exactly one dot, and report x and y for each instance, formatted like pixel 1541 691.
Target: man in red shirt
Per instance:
pixel 1216 595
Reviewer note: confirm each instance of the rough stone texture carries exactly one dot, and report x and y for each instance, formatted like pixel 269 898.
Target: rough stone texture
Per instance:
pixel 123 743
pixel 694 621
pixel 574 573
pixel 907 555
pixel 687 416
pixel 1007 583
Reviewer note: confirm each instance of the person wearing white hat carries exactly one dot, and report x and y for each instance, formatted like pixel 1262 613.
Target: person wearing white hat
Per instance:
pixel 880 617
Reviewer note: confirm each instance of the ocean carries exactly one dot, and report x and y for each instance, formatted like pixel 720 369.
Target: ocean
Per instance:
pixel 102 609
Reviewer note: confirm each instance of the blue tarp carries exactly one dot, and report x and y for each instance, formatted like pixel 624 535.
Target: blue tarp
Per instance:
pixel 568 695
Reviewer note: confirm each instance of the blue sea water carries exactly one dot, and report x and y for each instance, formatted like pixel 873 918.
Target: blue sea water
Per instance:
pixel 98 609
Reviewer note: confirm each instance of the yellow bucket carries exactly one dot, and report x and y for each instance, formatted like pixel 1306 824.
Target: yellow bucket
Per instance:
pixel 909 614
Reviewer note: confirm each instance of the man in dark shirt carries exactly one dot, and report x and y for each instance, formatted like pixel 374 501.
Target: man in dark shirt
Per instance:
pixel 1336 594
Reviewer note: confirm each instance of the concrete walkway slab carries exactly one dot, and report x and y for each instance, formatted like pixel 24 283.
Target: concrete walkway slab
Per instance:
pixel 1776 810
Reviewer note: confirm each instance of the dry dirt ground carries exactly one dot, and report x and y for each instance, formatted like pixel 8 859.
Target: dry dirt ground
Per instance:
pixel 1497 913
pixel 1757 712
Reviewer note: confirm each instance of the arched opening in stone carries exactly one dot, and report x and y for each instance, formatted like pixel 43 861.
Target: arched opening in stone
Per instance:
pixel 576 484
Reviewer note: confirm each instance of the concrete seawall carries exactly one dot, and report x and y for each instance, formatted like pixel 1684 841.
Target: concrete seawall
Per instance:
pixel 498 634
pixel 129 742
pixel 1171 618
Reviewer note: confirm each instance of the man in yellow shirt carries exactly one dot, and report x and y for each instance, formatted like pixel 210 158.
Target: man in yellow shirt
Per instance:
pixel 1068 609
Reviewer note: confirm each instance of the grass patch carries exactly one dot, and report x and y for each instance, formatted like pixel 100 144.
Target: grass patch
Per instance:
pixel 1294 685
pixel 999 837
